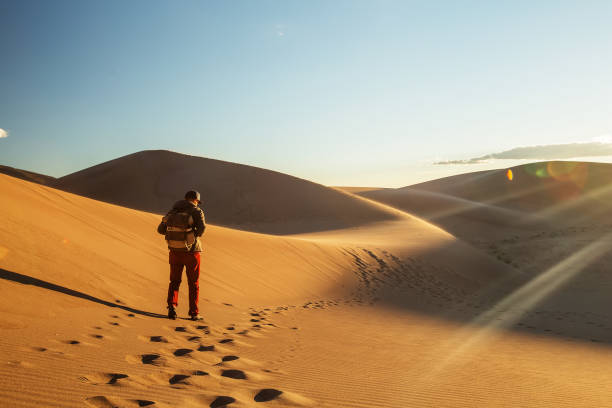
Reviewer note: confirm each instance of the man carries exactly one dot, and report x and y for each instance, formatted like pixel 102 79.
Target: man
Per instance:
pixel 183 226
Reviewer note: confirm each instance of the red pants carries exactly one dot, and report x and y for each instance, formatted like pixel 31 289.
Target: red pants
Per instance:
pixel 191 262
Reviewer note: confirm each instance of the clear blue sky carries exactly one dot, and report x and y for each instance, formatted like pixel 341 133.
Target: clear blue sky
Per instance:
pixel 338 92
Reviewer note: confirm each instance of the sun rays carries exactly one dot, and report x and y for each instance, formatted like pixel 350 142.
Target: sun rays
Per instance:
pixel 526 297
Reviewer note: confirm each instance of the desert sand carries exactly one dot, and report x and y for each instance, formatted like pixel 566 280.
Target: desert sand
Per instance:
pixel 494 294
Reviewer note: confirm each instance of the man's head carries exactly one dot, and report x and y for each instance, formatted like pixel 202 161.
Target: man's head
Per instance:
pixel 193 196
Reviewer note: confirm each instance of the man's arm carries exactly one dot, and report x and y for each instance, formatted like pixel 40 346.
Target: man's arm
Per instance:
pixel 199 222
pixel 162 227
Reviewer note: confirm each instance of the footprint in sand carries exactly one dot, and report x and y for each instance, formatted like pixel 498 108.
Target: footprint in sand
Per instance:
pixel 230 358
pixel 180 329
pixel 194 338
pixel 267 394
pixel 178 379
pixel 101 401
pixel 116 377
pixel 20 364
pixel 104 378
pixel 73 342
pixel 206 348
pixel 226 341
pixel 150 359
pixel 235 374
pixel 158 339
pixel 222 401
pixel 182 352
pixel 199 373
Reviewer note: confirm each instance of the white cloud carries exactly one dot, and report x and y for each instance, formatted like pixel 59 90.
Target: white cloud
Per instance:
pixel 3 133
pixel 607 138
pixel 602 147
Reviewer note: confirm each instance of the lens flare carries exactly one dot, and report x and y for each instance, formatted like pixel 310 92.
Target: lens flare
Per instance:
pixel 510 174
pixel 566 180
pixel 537 169
pixel 574 172
pixel 516 304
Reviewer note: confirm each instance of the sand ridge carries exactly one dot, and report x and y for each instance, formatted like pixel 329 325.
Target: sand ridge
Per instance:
pixel 488 205
pixel 233 195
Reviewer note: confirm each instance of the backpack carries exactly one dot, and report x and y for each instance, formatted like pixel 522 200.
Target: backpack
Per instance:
pixel 179 231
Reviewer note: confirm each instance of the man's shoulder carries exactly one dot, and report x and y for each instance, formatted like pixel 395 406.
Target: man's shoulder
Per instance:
pixel 198 210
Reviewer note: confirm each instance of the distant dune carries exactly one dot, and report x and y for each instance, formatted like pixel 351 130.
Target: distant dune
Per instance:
pixel 533 187
pixel 356 190
pixel 476 205
pixel 233 195
pixel 27 175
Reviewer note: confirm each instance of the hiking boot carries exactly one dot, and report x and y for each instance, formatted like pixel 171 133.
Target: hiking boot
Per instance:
pixel 171 313
pixel 196 317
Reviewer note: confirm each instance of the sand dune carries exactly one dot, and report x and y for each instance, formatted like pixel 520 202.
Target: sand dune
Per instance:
pixel 95 274
pixel 488 205
pixel 233 195
pixel 356 190
pixel 549 222
pixel 27 175
pixel 83 284
pixel 393 313
pixel 533 187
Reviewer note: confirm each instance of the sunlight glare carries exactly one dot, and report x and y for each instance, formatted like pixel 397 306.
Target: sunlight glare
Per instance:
pixel 511 309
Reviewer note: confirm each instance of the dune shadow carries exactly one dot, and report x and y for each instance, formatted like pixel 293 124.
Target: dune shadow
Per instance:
pixel 565 298
pixel 28 280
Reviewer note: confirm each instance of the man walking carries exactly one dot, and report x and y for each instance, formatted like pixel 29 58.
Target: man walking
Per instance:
pixel 183 226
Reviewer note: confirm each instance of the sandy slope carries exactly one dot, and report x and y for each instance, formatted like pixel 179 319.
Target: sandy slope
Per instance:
pixel 356 190
pixel 83 281
pixel 488 205
pixel 27 175
pixel 234 195
pixel 537 222
pixel 391 314
pixel 94 276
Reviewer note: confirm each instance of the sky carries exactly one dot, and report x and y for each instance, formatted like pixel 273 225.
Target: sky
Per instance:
pixel 368 93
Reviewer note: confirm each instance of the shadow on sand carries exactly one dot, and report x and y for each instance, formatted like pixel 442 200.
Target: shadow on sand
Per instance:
pixel 28 280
